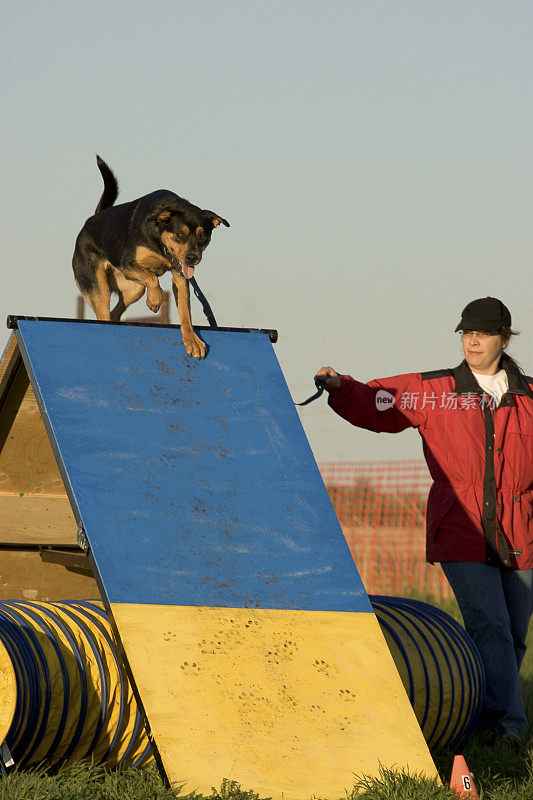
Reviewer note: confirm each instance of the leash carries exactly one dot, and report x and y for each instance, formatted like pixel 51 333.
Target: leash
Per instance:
pixel 208 311
pixel 320 386
pixel 205 305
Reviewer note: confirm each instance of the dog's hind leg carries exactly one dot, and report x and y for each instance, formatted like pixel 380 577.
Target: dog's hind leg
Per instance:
pixel 99 296
pixel 100 306
pixel 119 309
pixel 128 292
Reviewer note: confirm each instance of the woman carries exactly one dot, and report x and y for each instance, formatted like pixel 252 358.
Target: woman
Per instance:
pixel 476 423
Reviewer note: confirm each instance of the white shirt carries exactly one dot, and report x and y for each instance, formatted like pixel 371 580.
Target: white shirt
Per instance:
pixel 494 385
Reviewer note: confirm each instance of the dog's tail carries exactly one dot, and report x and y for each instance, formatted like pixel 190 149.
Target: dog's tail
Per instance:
pixel 110 192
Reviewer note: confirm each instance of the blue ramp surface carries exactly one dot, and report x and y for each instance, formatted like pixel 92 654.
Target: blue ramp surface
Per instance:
pixel 193 480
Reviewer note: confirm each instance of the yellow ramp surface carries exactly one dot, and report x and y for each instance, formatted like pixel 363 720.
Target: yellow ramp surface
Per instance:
pixel 288 703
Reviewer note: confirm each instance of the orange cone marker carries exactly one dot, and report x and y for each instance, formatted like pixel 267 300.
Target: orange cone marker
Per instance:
pixel 462 780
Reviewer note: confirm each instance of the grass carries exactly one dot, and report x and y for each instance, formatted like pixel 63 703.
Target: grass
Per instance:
pixel 501 772
pixel 85 781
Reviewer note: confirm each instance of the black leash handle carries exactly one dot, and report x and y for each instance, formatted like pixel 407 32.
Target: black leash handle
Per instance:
pixel 320 386
pixel 205 305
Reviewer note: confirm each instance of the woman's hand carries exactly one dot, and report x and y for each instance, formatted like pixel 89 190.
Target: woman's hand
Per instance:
pixel 328 376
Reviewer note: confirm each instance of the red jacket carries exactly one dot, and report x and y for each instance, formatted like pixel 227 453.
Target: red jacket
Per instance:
pixel 480 506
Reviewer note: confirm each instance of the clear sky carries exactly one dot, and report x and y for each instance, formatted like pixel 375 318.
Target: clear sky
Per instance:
pixel 374 160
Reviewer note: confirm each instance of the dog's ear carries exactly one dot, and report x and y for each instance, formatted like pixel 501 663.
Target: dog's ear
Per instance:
pixel 162 217
pixel 215 219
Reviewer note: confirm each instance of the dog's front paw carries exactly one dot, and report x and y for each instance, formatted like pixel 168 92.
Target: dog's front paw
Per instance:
pixel 154 298
pixel 194 346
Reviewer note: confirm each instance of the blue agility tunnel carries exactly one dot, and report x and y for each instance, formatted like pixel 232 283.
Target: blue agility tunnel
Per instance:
pixel 65 692
pixel 439 665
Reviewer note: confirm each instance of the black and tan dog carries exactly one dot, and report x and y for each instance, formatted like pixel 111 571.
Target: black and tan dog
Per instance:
pixel 126 248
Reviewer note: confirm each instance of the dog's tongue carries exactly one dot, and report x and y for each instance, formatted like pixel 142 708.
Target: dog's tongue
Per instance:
pixel 188 272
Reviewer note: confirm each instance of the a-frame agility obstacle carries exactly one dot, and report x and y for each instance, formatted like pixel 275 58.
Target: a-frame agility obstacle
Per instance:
pixel 248 634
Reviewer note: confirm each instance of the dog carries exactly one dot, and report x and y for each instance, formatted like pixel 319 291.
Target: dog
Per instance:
pixel 125 249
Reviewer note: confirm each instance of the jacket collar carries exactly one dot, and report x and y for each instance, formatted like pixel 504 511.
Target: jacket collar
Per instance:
pixel 465 382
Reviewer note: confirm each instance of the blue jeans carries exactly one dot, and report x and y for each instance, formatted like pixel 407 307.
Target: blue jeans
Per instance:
pixel 496 605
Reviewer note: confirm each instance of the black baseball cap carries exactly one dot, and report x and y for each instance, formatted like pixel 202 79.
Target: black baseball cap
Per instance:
pixel 487 315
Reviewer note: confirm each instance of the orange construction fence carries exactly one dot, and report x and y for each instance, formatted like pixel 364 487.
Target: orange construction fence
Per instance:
pixel 381 508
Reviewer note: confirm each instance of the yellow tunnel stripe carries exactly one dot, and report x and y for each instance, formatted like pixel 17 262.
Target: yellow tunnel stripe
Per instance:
pixel 8 692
